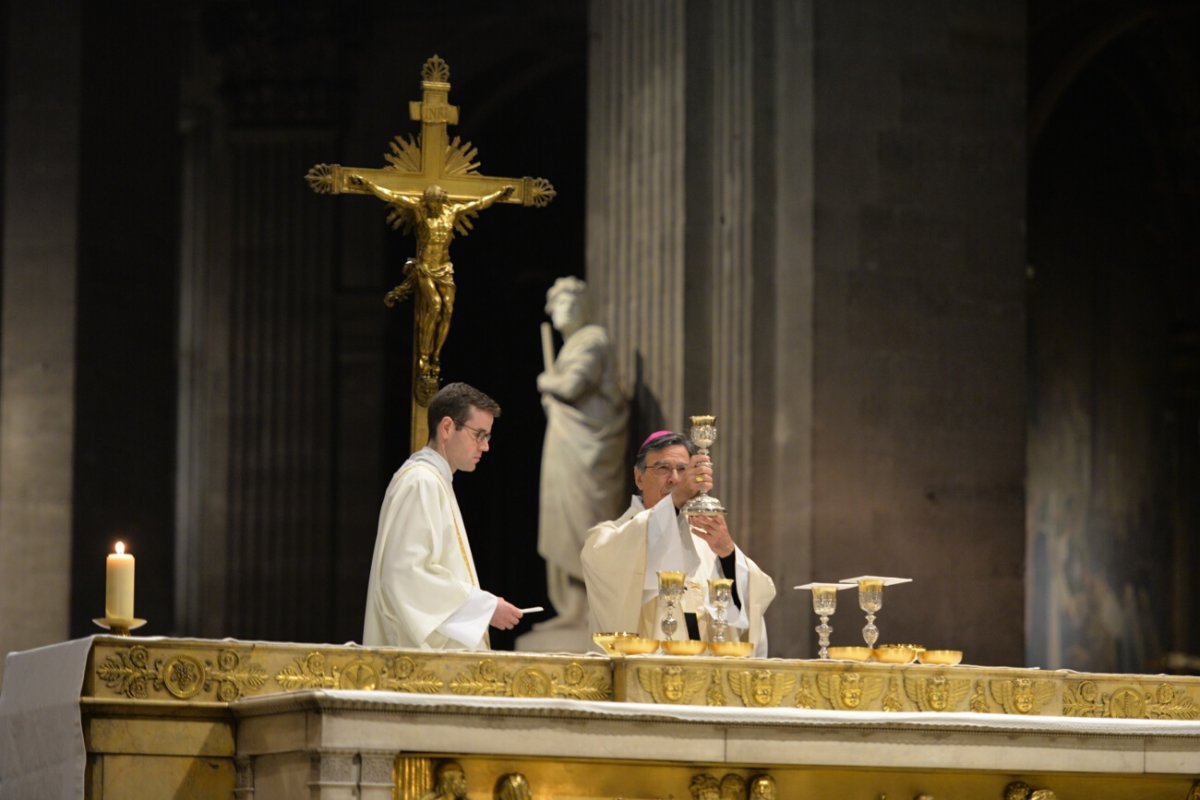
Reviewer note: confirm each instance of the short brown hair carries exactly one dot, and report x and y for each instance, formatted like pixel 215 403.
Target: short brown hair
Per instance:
pixel 455 400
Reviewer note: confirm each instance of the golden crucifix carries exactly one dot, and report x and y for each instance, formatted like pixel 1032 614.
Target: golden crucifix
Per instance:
pixel 434 190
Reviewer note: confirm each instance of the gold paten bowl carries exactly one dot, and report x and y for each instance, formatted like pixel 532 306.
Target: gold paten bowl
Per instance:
pixel 687 647
pixel 895 654
pixel 850 653
pixel 917 648
pixel 944 657
pixel 636 645
pixel 606 641
pixel 736 649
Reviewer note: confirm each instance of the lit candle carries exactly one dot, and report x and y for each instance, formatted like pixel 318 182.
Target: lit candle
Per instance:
pixel 118 597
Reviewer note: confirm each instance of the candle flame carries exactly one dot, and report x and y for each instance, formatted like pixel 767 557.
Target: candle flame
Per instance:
pixel 120 548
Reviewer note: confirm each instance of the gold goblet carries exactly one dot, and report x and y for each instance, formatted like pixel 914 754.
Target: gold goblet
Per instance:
pixel 720 593
pixel 670 586
pixel 824 599
pixel 870 600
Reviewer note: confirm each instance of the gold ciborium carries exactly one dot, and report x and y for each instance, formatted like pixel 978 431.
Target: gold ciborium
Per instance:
pixel 703 433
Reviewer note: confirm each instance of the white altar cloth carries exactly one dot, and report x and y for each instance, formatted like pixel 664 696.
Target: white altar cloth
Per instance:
pixel 727 715
pixel 369 721
pixel 42 752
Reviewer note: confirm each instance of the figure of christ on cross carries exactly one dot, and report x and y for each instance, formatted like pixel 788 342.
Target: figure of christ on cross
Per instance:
pixel 430 274
pixel 433 187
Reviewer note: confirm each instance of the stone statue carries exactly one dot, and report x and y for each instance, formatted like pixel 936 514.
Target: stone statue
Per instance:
pixel 513 786
pixel 430 275
pixel 583 458
pixel 762 787
pixel 451 783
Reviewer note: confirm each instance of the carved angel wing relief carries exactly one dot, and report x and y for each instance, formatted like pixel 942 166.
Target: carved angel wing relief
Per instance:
pixel 937 693
pixel 1022 695
pixel 672 685
pixel 760 688
pixel 849 690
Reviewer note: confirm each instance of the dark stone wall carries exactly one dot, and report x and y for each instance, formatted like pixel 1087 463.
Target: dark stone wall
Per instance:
pixel 1113 318
pixel 919 398
pixel 124 454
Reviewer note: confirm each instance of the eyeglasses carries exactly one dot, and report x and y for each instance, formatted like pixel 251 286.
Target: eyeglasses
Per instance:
pixel 481 436
pixel 664 469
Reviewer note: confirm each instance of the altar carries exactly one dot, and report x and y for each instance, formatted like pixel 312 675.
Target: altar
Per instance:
pixel 110 717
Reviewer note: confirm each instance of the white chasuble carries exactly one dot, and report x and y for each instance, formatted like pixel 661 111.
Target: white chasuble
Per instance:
pixel 423 589
pixel 622 558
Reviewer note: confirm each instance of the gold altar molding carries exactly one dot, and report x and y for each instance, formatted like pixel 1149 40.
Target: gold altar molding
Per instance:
pixel 200 671
pixel 265 720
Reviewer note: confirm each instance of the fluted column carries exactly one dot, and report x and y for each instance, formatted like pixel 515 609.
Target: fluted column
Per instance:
pixel 635 223
pixel 670 243
pixel 730 241
pixel 280 394
pixel 257 408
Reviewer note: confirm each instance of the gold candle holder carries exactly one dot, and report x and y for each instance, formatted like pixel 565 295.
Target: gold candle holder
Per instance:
pixel 119 627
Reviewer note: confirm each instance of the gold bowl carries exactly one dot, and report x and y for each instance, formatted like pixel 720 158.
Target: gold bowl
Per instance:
pixel 687 647
pixel 735 649
pixel 895 654
pixel 944 657
pixel 607 641
pixel 636 645
pixel 850 653
pixel 917 648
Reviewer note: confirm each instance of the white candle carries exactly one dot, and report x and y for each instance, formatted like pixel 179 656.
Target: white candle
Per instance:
pixel 118 596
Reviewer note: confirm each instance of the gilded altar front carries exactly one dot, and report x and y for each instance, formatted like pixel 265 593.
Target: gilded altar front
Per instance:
pixel 265 720
pixel 200 672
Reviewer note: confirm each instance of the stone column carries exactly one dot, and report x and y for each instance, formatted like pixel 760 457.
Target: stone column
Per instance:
pixel 258 269
pixel 721 199
pixel 699 240
pixel 37 326
pixel 919 325
pixel 635 256
pixel 280 390
pixel 670 244
pixel 784 349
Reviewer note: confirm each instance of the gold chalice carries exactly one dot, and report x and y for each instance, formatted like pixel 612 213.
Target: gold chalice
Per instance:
pixel 670 586
pixel 720 593
pixel 703 433
pixel 870 600
pixel 824 600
